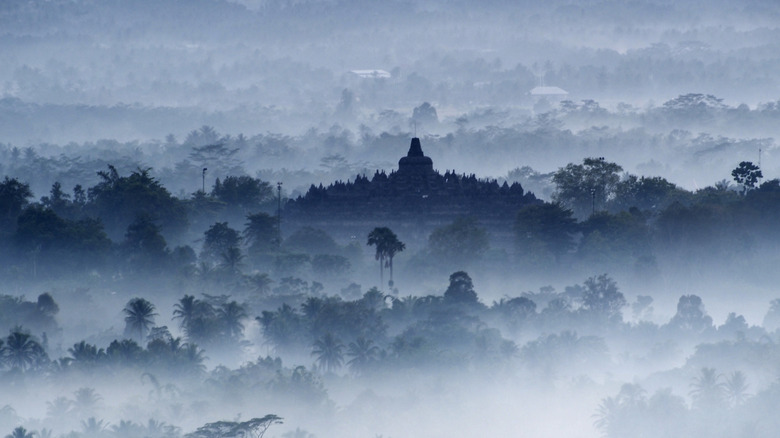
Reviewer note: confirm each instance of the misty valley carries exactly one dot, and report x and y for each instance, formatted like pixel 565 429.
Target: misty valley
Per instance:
pixel 364 218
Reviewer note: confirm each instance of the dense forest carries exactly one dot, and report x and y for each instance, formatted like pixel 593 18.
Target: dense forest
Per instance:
pixel 160 278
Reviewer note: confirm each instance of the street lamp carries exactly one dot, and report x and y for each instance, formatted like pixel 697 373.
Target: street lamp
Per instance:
pixel 593 201
pixel 279 211
pixel 203 189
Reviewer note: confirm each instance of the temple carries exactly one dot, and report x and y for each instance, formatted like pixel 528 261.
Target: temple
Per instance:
pixel 415 197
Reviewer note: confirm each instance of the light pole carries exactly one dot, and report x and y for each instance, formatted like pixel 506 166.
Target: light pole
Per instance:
pixel 593 201
pixel 203 189
pixel 279 212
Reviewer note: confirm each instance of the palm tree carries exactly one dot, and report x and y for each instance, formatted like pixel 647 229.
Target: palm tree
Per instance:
pixel 736 388
pixel 20 432
pixel 261 283
pixel 86 354
pixel 59 407
pixel 194 357
pixel 185 310
pixel 387 246
pixel 231 314
pixel 606 415
pixel 22 351
pixel 232 260
pixel 707 389
pixel 86 401
pixel 93 427
pixel 139 316
pixel 329 354
pixel 363 353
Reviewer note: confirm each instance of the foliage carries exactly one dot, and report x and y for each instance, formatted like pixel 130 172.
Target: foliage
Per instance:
pixel 602 298
pixel 253 428
pixel 586 187
pixel 459 244
pixel 461 289
pixel 544 229
pixel 329 352
pixel 217 240
pixel 261 233
pixel 747 175
pixel 387 246
pixel 14 196
pixel 117 200
pixel 244 193
pixel 139 317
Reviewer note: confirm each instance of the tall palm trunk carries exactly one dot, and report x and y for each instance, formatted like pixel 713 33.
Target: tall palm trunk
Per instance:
pixel 381 273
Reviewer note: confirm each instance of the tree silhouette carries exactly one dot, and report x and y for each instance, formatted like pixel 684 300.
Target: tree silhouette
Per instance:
pixel 363 353
pixel 707 390
pixel 14 196
pixel 20 432
pixel 254 428
pixel 261 233
pixel 387 246
pixel 329 354
pixel 735 388
pixel 459 243
pixel 603 298
pixel 86 401
pixel 747 175
pixel 186 311
pixel 22 351
pixel 232 261
pixel 545 229
pixel 230 314
pixel 139 316
pixel 461 289
pixel 586 187
pixel 218 239
pixel 261 283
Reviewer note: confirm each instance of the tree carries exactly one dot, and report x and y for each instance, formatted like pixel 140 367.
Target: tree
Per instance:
pixel 387 246
pixel 461 289
pixel 691 315
pixel 261 283
pixel 707 390
pixel 603 298
pixel 145 246
pixel 14 196
pixel 546 229
pixel 747 175
pixel 254 428
pixel 261 233
pixel 139 316
pixel 20 432
pixel 230 315
pixel 363 354
pixel 644 193
pixel 232 261
pixel 329 352
pixel 242 192
pixel 586 187
pixel 22 351
pixel 328 265
pixel 218 239
pixel 459 243
pixel 312 241
pixel 186 310
pixel 735 388
pixel 118 200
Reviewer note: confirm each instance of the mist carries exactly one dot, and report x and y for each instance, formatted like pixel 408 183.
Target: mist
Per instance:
pixel 326 218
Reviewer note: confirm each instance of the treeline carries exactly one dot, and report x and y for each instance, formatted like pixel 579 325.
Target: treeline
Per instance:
pixel 548 336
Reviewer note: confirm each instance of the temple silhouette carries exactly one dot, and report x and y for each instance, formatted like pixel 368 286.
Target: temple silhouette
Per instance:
pixel 415 198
